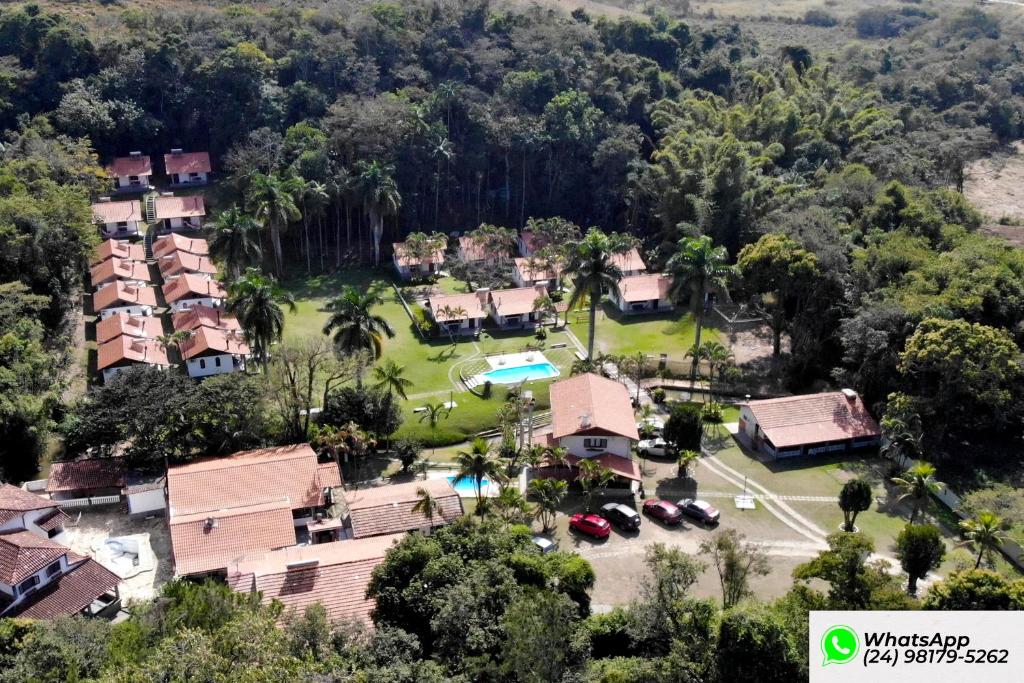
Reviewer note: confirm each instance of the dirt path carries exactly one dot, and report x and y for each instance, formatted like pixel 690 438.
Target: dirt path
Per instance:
pixel 76 381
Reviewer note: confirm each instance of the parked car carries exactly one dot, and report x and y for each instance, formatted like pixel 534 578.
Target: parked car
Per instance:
pixel 652 447
pixel 545 545
pixel 700 510
pixel 590 525
pixel 621 516
pixel 663 510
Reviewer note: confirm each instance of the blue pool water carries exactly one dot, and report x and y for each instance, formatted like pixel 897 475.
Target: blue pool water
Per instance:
pixel 467 487
pixel 520 373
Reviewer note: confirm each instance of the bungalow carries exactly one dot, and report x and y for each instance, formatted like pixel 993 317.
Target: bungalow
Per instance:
pixel 221 509
pixel 644 293
pixel 190 290
pixel 204 316
pixel 122 249
pixel 409 265
pixel 134 273
pixel 459 313
pixel 210 351
pixel 385 510
pixel 192 168
pixel 592 415
pixel 86 478
pixel 527 274
pixel 20 509
pixel 528 242
pixel 166 245
pixel 180 213
pixel 834 421
pixel 515 307
pixel 121 297
pixel 125 352
pixel 117 219
pixel 131 173
pixel 630 262
pixel 472 250
pixel 180 262
pixel 141 326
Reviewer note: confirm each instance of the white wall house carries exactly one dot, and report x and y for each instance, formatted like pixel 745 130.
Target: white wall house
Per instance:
pixel 513 308
pixel 132 173
pixel 459 313
pixel 526 276
pixel 117 219
pixel 210 351
pixel 121 297
pixel 125 352
pixel 408 266
pixel 648 293
pixel 187 291
pixel 187 168
pixel 179 214
pixel 592 415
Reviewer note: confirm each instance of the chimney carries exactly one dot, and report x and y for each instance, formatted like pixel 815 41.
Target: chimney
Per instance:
pixel 585 420
pixel 212 523
pixel 135 154
pixel 176 151
pixel 850 395
pixel 103 199
pixel 302 564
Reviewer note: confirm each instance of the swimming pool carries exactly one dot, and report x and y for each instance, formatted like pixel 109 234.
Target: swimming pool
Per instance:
pixel 520 373
pixel 467 487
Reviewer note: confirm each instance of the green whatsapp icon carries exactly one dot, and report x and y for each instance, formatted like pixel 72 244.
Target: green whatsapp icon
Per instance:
pixel 839 645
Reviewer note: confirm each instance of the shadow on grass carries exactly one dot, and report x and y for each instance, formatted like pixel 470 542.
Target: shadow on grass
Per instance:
pixel 329 285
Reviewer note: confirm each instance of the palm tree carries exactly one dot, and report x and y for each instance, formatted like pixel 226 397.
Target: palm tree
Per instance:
pixel 256 300
pixel 476 464
pixel 549 494
pixel 389 377
pixel 594 273
pixel 235 240
pixel 717 356
pixel 698 265
pixel 593 476
pixel 314 198
pixel 426 505
pixel 356 328
pixel 434 413
pixel 176 339
pixel 698 352
pixel 379 193
pixel 687 459
pixel 985 531
pixel 545 308
pixel 917 485
pixel 271 198
pixel 449 313
pixel 511 505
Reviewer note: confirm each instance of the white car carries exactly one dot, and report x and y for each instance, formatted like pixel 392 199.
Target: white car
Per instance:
pixel 652 447
pixel 545 545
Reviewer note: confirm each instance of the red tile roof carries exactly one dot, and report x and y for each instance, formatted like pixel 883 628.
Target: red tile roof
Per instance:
pixel 22 554
pixel 14 501
pixel 145 326
pixel 407 260
pixel 338 580
pixel 131 165
pixel 199 544
pixel 125 349
pixel 116 269
pixel 473 249
pixel 629 261
pixel 179 207
pixel 121 249
pixel 72 592
pixel 813 418
pixel 83 475
pixel 119 294
pixel 389 509
pixel 187 162
pixel 626 468
pixel 328 474
pixel 204 316
pixel 117 212
pixel 603 401
pixel 206 339
pixel 184 262
pixel 190 286
pixel 472 304
pixel 517 301
pixel 645 287
pixel 531 274
pixel 167 244
pixel 55 520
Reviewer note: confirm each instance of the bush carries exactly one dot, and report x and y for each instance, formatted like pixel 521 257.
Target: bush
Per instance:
pixel 658 395
pixel 684 427
pixel 488 390
pixel 819 17
pixel 542 333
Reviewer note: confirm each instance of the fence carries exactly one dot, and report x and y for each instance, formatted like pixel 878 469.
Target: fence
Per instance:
pixel 408 311
pixel 88 502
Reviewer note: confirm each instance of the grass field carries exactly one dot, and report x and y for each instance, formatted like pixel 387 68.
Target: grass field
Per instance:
pixel 669 333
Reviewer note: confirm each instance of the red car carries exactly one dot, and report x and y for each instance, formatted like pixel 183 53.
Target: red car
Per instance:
pixel 662 510
pixel 591 525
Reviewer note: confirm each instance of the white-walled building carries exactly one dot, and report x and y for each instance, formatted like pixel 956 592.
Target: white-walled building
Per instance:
pixel 144 327
pixel 630 262
pixel 459 313
pixel 125 352
pixel 134 273
pixel 525 274
pixel 592 415
pixel 121 297
pixel 408 265
pixel 182 293
pixel 117 219
pixel 131 173
pixel 180 213
pixel 512 308
pixel 210 351
pixel 166 245
pixel 180 262
pixel 647 293
pixel 187 168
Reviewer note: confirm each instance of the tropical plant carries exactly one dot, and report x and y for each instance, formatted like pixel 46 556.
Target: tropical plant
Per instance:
pixel 548 494
pixel 698 265
pixel 854 498
pixel 235 240
pixel 511 506
pixel 408 452
pixel 426 505
pixel 421 247
pixel 687 459
pixel 718 357
pixel 985 531
pixel 356 328
pixel 920 549
pixel 388 376
pixel 271 198
pixel 545 308
pixel 256 300
pixel 450 313
pixel 176 339
pixel 475 465
pixel 594 272
pixel 376 188
pixel 697 352
pixel 917 484
pixel 432 414
pixel 593 477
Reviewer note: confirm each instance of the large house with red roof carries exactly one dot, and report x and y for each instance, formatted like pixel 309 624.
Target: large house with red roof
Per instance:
pixel 39 577
pixel 647 293
pixel 187 168
pixel 213 351
pixel 833 421
pixel 117 219
pixel 131 173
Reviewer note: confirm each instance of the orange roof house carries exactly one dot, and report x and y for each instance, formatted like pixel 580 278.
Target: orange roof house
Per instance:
pixel 467 309
pixel 335 575
pixel 122 295
pixel 89 477
pixel 385 510
pixel 407 264
pixel 133 165
pixel 515 306
pixel 526 274
pixel 191 287
pixel 122 249
pixel 183 262
pixel 630 262
pixel 166 245
pixel 144 326
pixel 204 316
pixel 167 208
pixel 124 351
pixel 809 424
pixel 186 163
pixel 591 415
pixel 472 249
pixel 117 212
pixel 209 339
pixel 647 292
pixel 15 501
pixel 116 269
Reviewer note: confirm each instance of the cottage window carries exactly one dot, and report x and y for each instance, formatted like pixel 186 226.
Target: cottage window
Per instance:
pixel 53 569
pixel 216 361
pixel 28 584
pixel 202 363
pixel 595 443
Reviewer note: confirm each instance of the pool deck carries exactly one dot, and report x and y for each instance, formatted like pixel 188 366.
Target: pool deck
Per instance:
pixel 511 361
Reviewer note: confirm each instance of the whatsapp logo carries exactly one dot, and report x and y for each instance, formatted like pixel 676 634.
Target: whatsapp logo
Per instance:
pixel 839 645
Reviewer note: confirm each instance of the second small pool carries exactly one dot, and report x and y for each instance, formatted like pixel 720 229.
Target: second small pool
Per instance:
pixel 467 487
pixel 520 373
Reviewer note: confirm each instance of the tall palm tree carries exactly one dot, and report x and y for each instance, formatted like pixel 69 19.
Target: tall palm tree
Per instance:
pixel 432 414
pixel 985 531
pixel 256 300
pixel 235 240
pixel 697 352
pixel 549 494
pixel 593 476
pixel 717 356
pixel 476 464
pixel 271 198
pixel 389 377
pixel 698 264
pixel 356 328
pixel 594 272
pixel 380 196
pixel 917 485
pixel 511 505
pixel 426 505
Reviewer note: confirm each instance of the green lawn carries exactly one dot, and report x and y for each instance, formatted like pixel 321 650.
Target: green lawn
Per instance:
pixel 669 333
